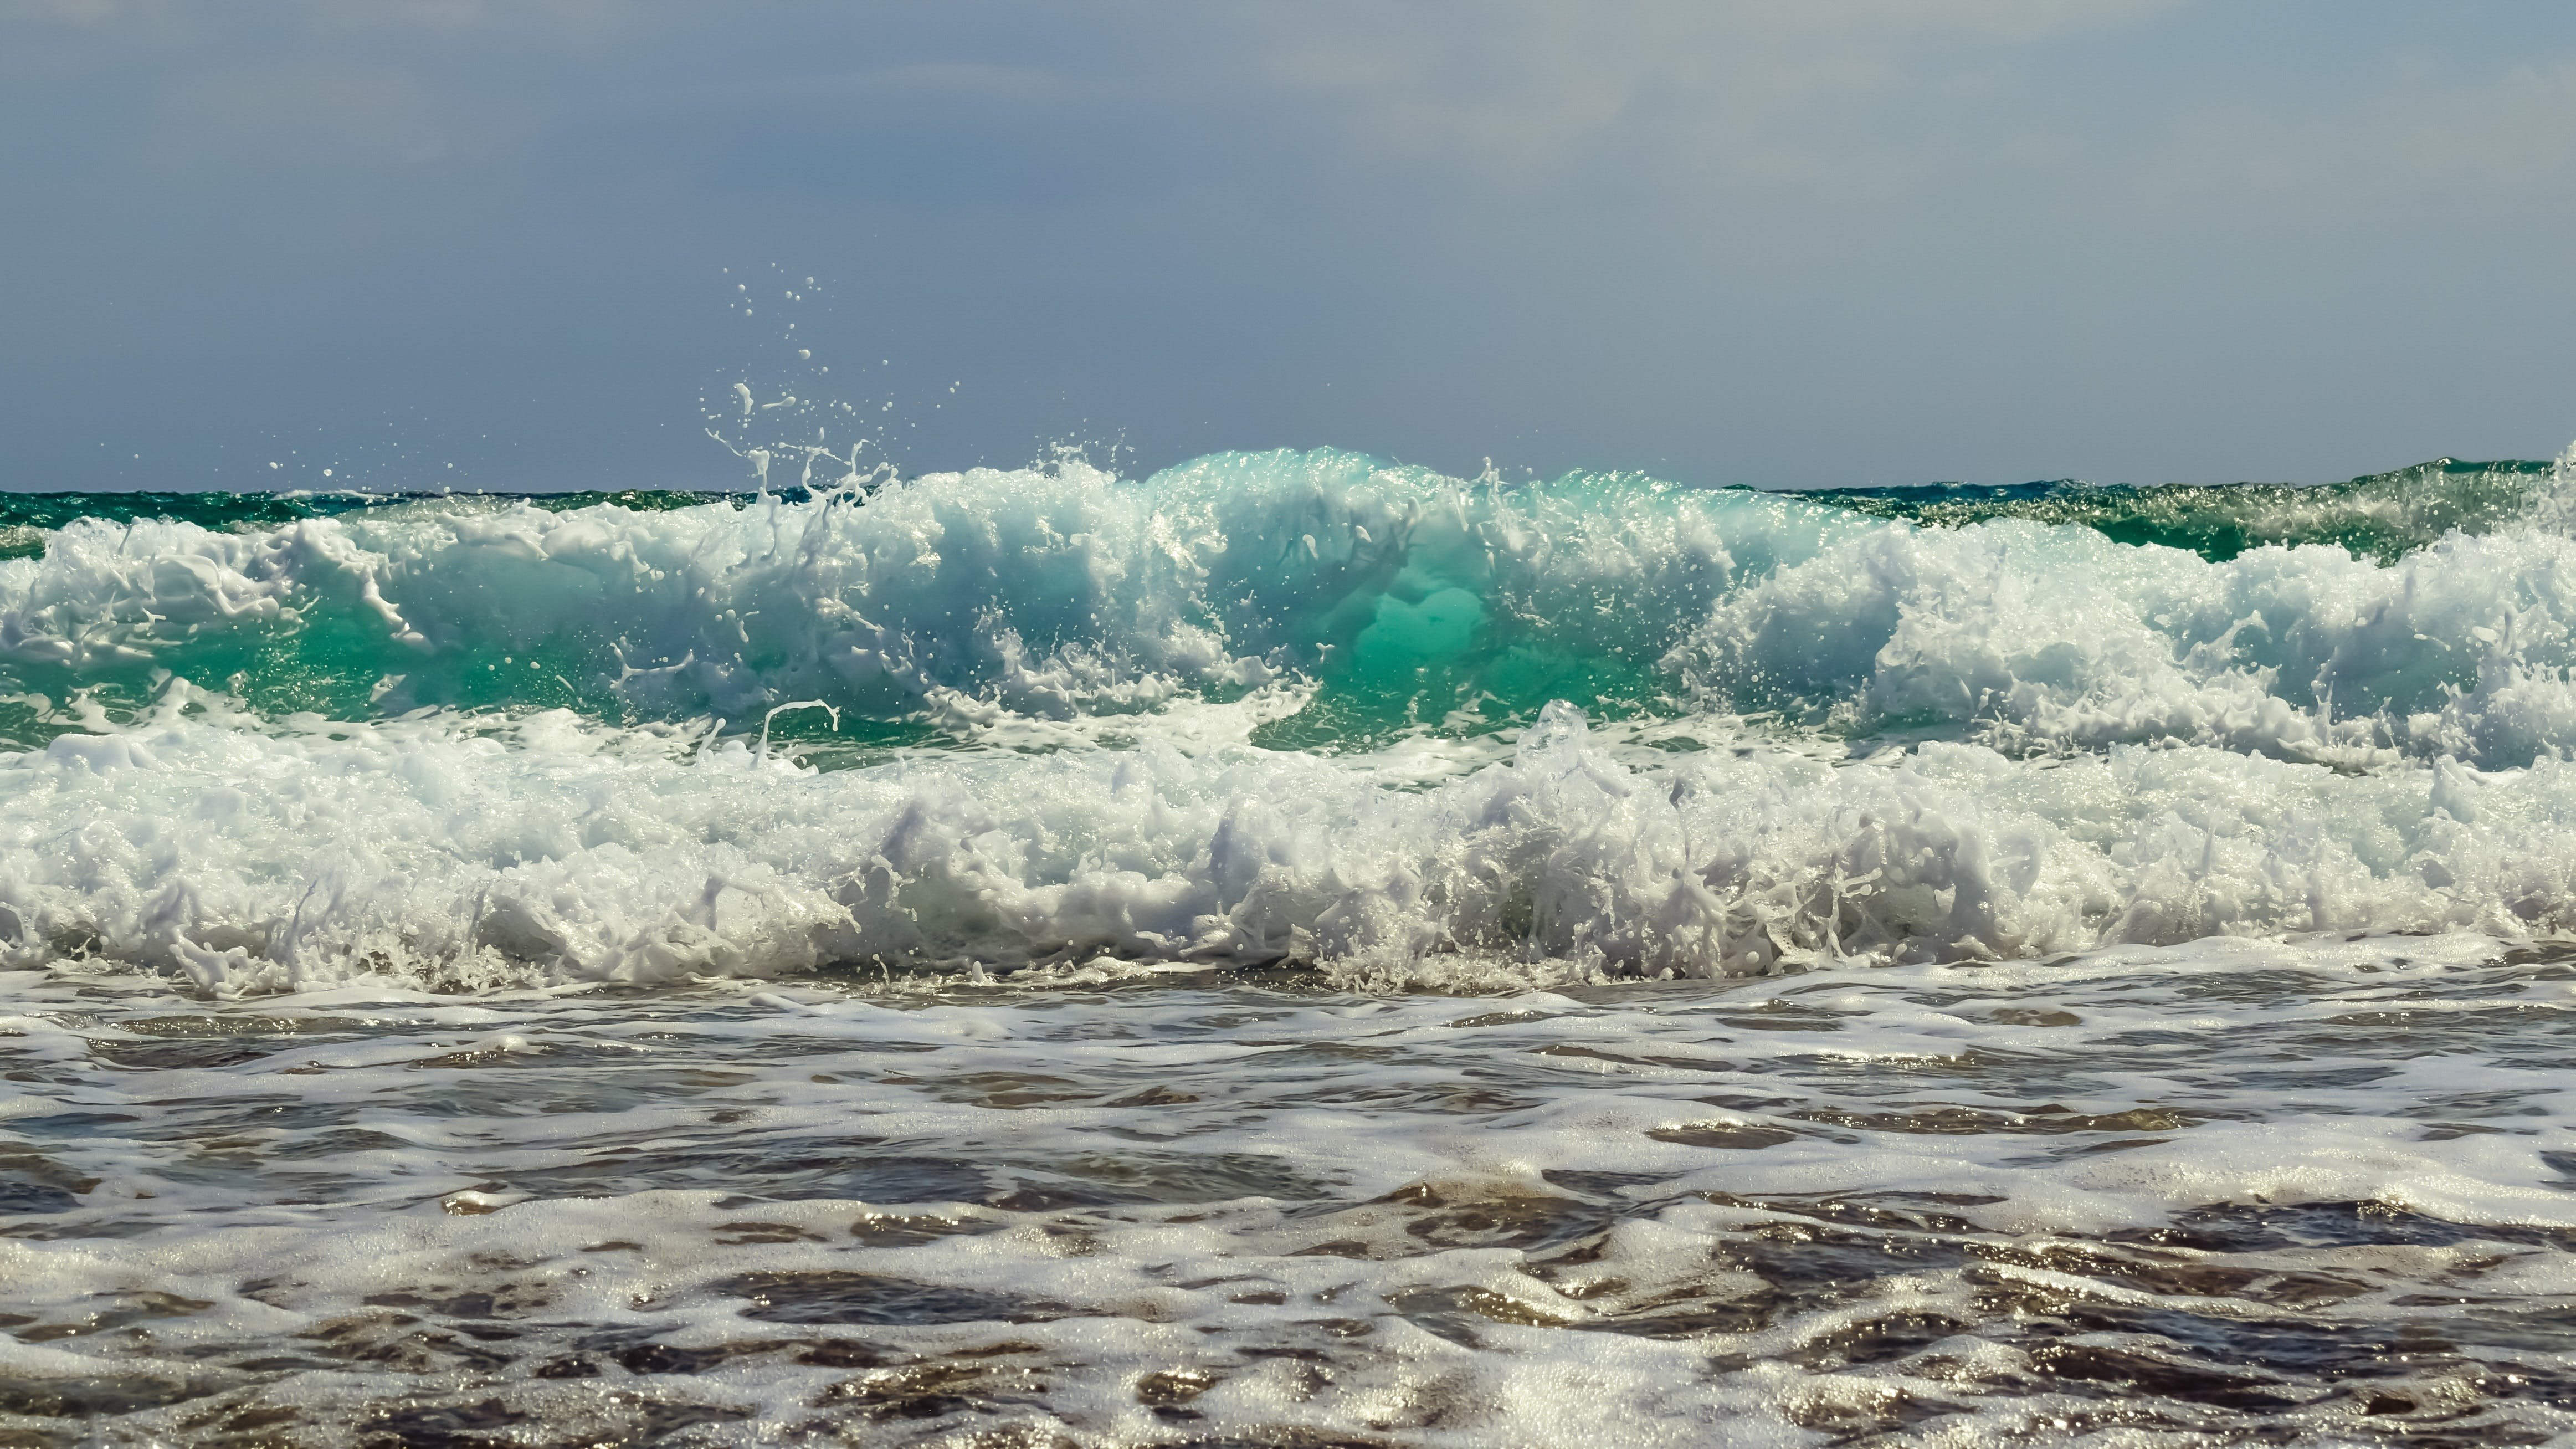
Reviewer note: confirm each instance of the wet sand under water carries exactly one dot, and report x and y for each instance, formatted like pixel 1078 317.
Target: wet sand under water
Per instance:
pixel 2320 1192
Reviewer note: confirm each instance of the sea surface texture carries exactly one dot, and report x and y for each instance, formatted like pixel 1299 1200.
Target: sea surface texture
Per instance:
pixel 1295 951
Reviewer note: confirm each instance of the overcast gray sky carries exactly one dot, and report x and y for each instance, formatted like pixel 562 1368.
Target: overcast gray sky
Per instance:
pixel 1822 242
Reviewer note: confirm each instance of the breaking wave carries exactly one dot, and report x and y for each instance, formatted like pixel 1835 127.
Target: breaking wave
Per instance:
pixel 1276 707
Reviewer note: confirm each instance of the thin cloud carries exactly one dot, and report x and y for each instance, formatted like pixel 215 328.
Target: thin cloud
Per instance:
pixel 2504 140
pixel 1533 89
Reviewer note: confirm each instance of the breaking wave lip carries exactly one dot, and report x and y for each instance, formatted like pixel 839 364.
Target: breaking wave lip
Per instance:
pixel 1273 707
pixel 2378 516
pixel 1409 598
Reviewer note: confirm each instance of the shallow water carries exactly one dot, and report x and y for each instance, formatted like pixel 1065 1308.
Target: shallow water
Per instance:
pixel 1291 951
pixel 2316 1192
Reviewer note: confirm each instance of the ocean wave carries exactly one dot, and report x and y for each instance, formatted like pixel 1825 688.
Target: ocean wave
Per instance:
pixel 1410 599
pixel 2057 638
pixel 1052 592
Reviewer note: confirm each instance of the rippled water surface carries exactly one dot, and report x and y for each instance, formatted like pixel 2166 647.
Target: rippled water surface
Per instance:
pixel 2230 1193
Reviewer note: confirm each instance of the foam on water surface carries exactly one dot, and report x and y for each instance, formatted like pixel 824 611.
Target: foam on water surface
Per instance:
pixel 2309 1193
pixel 1291 950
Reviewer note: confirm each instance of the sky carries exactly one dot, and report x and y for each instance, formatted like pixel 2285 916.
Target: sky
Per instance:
pixel 537 244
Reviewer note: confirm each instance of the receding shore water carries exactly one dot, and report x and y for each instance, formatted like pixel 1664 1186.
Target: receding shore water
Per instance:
pixel 1291 951
pixel 2235 1192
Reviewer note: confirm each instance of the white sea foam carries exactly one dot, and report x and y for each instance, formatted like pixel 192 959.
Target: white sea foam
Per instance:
pixel 550 847
pixel 2059 636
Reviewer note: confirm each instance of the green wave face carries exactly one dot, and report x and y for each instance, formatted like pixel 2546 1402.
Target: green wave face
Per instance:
pixel 2417 612
pixel 2380 517
pixel 1404 597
